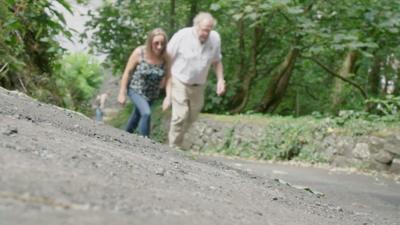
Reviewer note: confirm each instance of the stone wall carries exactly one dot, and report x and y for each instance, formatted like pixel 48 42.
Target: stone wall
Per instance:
pixel 376 152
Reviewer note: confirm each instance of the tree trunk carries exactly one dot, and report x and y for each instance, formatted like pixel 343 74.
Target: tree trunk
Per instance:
pixel 240 69
pixel 280 79
pixel 345 71
pixel 297 106
pixel 192 13
pixel 279 83
pixel 172 17
pixel 247 78
pixel 374 77
pixel 242 55
pixel 397 81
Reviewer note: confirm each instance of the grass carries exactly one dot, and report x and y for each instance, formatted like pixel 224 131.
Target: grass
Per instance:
pixel 158 129
pixel 284 137
pixel 288 138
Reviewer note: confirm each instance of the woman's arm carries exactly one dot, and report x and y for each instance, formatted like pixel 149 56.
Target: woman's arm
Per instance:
pixel 167 69
pixel 132 62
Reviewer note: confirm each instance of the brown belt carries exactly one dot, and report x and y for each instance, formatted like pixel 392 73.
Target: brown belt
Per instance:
pixel 194 85
pixel 191 85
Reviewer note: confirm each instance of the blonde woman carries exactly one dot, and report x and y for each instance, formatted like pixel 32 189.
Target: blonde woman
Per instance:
pixel 145 74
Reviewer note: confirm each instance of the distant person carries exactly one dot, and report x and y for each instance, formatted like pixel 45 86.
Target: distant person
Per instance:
pixel 144 75
pixel 192 51
pixel 100 102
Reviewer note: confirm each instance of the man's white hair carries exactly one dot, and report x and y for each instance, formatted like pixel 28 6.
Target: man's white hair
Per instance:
pixel 201 16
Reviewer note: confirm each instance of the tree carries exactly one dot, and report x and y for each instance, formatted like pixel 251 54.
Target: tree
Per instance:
pixel 284 57
pixel 28 45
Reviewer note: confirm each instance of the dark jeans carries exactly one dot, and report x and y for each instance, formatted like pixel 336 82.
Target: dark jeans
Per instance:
pixel 140 116
pixel 99 114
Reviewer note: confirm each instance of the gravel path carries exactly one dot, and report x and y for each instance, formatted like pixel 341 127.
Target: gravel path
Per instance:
pixel 60 167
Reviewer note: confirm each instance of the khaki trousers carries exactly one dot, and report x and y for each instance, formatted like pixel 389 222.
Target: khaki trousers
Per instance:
pixel 187 102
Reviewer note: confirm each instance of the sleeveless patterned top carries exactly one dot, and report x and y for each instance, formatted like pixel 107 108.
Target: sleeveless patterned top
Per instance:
pixel 146 78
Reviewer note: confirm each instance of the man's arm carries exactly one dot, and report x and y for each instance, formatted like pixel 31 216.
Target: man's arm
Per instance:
pixel 172 52
pixel 219 71
pixel 167 83
pixel 217 63
pixel 167 100
pixel 173 46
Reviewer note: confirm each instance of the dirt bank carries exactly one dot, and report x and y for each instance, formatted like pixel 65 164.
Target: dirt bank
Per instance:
pixel 59 167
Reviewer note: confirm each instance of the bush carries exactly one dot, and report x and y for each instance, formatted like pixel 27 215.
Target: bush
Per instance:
pixel 77 80
pixel 158 121
pixel 288 138
pixel 389 106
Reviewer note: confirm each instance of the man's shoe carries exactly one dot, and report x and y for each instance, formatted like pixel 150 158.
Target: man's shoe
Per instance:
pixel 176 147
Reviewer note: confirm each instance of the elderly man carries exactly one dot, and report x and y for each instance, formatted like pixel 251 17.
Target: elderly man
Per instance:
pixel 192 50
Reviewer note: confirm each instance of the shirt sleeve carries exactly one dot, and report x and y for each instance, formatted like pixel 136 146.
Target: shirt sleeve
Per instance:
pixel 173 45
pixel 217 53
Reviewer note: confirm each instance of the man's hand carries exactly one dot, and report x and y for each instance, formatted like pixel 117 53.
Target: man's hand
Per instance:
pixel 220 87
pixel 166 103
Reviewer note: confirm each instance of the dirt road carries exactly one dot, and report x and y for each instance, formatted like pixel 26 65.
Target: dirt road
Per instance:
pixel 59 167
pixel 368 193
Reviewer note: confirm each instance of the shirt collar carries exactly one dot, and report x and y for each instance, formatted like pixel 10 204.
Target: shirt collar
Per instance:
pixel 194 32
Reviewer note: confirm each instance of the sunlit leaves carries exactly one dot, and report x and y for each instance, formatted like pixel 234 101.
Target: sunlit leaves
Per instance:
pixel 77 80
pixel 120 27
pixel 27 44
pixel 295 10
pixel 323 29
pixel 215 7
pixel 238 16
pixel 248 9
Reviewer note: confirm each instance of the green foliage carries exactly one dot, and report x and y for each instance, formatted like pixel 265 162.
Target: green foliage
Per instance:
pixel 82 1
pixel 358 123
pixel 121 26
pixel 287 138
pixel 28 49
pixel 319 29
pixel 158 121
pixel 285 149
pixel 117 32
pixel 214 103
pixel 120 120
pixel 77 81
pixel 389 106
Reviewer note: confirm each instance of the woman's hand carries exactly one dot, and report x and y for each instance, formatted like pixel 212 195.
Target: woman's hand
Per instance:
pixel 121 99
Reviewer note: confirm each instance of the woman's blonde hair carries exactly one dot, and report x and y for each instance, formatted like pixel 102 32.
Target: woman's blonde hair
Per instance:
pixel 150 37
